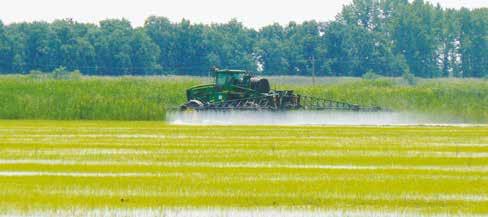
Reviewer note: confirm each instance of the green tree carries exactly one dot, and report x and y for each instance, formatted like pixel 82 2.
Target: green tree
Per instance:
pixel 145 54
pixel 449 35
pixel 233 44
pixel 270 50
pixel 113 46
pixel 190 49
pixel 161 31
pixel 415 36
pixel 474 42
pixel 31 46
pixel 388 37
pixel 5 51
pixel 358 41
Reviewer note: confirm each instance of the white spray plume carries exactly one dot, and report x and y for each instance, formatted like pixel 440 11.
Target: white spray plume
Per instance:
pixel 296 118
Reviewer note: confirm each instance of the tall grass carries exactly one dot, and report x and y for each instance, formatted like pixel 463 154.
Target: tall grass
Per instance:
pixel 148 98
pixel 454 99
pixel 90 98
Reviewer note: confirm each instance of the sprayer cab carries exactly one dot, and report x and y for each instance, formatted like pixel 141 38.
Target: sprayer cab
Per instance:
pixel 239 80
pixel 228 85
pixel 226 79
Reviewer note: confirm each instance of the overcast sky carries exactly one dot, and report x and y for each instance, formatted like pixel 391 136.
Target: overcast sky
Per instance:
pixel 253 13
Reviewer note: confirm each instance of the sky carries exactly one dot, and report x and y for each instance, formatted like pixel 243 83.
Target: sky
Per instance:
pixel 253 13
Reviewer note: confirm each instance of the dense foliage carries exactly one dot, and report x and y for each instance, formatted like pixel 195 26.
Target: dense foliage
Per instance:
pixel 89 99
pixel 388 37
pixel 134 98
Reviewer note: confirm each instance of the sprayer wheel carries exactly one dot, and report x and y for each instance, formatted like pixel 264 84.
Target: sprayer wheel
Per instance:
pixel 192 105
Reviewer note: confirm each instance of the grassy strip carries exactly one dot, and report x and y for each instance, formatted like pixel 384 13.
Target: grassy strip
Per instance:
pixel 458 100
pixel 90 99
pixel 137 98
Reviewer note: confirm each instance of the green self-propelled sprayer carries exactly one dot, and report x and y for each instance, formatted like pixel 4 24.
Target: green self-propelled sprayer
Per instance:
pixel 239 90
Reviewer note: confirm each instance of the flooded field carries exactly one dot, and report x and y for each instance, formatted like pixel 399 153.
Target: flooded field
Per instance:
pixel 94 168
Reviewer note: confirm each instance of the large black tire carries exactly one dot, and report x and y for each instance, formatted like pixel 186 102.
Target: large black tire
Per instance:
pixel 260 85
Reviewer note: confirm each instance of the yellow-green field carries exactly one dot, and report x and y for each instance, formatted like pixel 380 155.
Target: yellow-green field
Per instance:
pixel 88 168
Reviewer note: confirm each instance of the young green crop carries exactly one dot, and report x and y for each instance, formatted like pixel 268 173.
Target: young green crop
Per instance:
pixel 51 166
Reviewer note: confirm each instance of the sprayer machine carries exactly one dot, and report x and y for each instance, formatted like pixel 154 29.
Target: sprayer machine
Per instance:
pixel 240 90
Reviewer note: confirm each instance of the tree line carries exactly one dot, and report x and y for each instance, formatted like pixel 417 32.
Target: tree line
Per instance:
pixel 387 37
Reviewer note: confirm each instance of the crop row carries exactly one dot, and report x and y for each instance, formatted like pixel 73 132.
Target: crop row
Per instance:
pixel 52 165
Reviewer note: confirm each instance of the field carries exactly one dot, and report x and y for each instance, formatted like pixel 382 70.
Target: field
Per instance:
pixel 83 168
pixel 148 98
